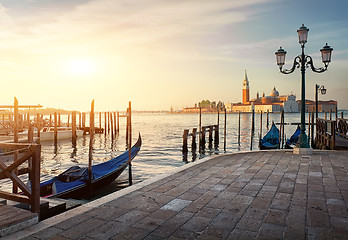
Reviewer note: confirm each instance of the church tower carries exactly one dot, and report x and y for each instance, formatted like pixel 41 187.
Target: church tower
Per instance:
pixel 246 89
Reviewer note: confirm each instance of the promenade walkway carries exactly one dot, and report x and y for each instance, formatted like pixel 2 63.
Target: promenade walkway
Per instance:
pixel 254 195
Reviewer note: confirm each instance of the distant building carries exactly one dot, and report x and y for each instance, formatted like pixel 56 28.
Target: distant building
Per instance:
pixel 246 93
pixel 323 106
pixel 272 103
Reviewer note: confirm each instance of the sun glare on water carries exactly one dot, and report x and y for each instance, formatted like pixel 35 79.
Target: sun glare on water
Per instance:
pixel 80 66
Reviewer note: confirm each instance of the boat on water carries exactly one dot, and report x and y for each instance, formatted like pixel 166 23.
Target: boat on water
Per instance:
pixel 73 183
pixel 47 133
pixel 291 142
pixel 271 139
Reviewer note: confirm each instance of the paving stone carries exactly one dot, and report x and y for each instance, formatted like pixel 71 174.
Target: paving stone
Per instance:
pixel 317 218
pixel 260 202
pixel 265 194
pixel 67 224
pixel 196 224
pixel 164 231
pixel 185 234
pixel 340 227
pixel 249 223
pixel 180 219
pixel 47 233
pixel 281 204
pixel 256 213
pixel 131 234
pixel 107 230
pixel 176 205
pixel 225 220
pixel 242 234
pixel 82 229
pixel 132 216
pixel 317 233
pixel 149 223
pixel 208 212
pixel 162 214
pixel 276 217
pixel 271 231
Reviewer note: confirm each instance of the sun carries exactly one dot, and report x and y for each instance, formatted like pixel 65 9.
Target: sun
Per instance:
pixel 80 66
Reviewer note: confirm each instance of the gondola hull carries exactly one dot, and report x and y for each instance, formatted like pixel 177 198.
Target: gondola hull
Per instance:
pixel 103 174
pixel 270 140
pixel 291 143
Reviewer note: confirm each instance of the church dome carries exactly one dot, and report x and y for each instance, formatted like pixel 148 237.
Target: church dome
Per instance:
pixel 274 93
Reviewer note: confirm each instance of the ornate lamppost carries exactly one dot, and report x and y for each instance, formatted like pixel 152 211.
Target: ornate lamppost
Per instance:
pixel 303 61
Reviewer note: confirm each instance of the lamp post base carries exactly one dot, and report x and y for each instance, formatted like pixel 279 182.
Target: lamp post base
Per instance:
pixel 302 141
pixel 302 151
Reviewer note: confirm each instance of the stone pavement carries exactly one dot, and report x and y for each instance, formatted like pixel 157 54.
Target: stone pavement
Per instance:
pixel 254 195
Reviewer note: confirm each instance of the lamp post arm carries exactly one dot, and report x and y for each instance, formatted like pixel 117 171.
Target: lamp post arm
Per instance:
pixel 296 64
pixel 309 62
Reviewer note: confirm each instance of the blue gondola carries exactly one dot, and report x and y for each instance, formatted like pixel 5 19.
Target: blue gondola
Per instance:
pixel 291 143
pixel 271 139
pixel 73 183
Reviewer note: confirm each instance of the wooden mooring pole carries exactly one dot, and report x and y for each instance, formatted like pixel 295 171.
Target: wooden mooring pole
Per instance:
pixel 15 140
pixel 130 143
pixel 200 128
pixel 115 122
pixel 73 125
pixel 211 127
pixel 184 143
pixel 312 130
pixel 194 144
pixel 260 126
pixel 216 137
pixel 283 137
pixel 100 121
pixel 118 122
pixel 225 127
pixel 309 127
pixel 239 129
pixel 252 129
pixel 105 121
pixel 90 152
pixel 112 126
pixel 55 128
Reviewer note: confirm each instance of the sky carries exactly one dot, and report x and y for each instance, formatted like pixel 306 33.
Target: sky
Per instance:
pixel 160 54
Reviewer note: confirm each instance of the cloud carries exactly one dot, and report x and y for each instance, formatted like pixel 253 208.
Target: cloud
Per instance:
pixel 127 21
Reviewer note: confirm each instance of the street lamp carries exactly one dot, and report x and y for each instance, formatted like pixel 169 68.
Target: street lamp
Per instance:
pixel 303 61
pixel 318 89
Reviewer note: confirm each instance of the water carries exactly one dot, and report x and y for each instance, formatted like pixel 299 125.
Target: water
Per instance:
pixel 162 137
pixel 161 150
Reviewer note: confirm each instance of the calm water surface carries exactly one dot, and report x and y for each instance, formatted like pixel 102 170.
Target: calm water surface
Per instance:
pixel 162 142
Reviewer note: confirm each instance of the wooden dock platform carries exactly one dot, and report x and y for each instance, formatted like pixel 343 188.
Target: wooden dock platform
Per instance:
pixel 13 219
pixel 251 195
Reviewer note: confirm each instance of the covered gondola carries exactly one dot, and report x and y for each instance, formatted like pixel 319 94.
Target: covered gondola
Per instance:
pixel 74 182
pixel 291 142
pixel 271 139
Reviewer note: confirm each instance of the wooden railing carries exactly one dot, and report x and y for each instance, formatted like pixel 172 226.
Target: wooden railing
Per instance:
pixel 326 132
pixel 342 127
pixel 30 153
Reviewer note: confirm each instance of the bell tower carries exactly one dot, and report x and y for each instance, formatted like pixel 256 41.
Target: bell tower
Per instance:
pixel 246 89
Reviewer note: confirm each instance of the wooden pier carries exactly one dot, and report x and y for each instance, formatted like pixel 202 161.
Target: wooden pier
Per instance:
pixel 24 158
pixel 13 219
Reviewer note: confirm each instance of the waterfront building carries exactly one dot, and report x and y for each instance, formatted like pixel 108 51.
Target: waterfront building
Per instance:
pixel 323 106
pixel 271 103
